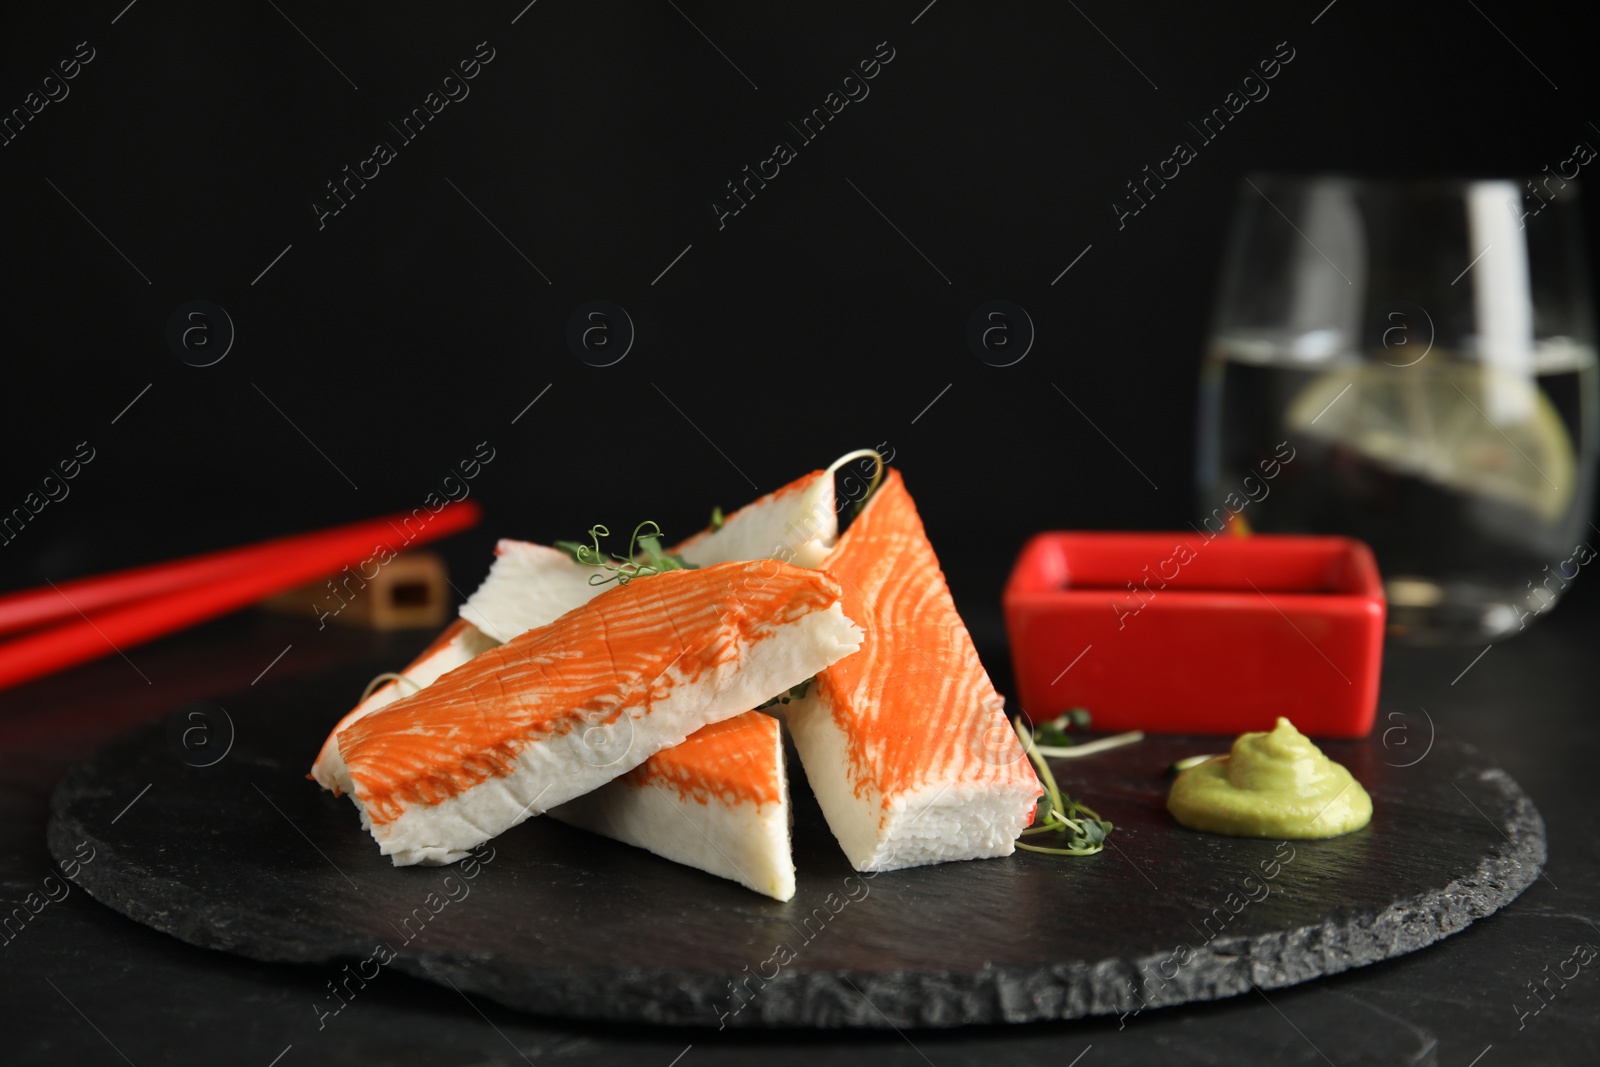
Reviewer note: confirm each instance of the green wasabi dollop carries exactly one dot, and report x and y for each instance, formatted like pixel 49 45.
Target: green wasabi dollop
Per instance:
pixel 1272 784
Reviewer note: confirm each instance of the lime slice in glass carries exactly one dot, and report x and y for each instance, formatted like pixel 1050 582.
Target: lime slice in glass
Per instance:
pixel 1434 423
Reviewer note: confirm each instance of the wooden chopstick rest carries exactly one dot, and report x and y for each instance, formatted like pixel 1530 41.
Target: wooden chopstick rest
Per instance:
pixel 408 592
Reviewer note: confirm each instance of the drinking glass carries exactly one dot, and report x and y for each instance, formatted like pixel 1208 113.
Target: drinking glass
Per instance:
pixel 1411 363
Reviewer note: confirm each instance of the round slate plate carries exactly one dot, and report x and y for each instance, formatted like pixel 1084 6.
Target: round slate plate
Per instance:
pixel 247 856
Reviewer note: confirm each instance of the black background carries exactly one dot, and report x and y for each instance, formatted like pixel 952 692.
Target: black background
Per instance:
pixel 407 330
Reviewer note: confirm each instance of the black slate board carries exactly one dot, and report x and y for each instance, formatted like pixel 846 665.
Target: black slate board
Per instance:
pixel 247 856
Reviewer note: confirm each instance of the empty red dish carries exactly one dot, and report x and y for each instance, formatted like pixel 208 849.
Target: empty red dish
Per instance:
pixel 1189 633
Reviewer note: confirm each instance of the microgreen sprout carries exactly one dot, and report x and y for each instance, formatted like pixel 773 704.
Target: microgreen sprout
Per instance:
pixel 1055 733
pixel 877 472
pixel 1179 766
pixel 795 693
pixel 389 676
pixel 646 540
pixel 1082 832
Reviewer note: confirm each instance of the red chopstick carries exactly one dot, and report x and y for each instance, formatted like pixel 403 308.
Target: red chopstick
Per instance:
pixel 117 611
pixel 29 608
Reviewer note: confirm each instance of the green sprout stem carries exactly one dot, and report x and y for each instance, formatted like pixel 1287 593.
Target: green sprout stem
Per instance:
pixel 796 692
pixel 646 539
pixel 1089 748
pixel 1084 830
pixel 388 676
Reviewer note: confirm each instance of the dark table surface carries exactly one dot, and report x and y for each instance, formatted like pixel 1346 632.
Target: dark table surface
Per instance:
pixel 81 984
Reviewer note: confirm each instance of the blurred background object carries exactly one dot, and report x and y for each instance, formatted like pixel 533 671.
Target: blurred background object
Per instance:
pixel 410 592
pixel 1426 350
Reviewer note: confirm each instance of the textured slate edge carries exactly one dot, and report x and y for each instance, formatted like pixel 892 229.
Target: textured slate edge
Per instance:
pixel 1224 968
pixel 1227 967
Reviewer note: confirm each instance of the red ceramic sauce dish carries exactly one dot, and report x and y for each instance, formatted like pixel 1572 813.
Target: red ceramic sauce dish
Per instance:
pixel 1198 634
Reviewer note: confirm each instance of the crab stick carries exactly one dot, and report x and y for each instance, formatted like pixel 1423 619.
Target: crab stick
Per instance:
pixel 719 802
pixel 562 709
pixel 905 743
